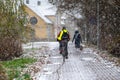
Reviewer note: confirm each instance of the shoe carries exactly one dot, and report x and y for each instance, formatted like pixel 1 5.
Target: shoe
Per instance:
pixel 60 52
pixel 66 57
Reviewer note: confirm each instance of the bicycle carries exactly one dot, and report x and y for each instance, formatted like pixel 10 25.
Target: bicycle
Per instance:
pixel 63 49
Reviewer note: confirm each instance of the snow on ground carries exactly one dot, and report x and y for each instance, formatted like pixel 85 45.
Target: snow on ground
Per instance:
pixel 51 45
pixel 39 51
pixel 49 61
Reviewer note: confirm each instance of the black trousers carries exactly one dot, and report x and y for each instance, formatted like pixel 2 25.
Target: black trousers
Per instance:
pixel 64 42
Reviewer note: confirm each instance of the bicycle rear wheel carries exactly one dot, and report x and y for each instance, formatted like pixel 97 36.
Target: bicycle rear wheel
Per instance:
pixel 63 54
pixel 64 50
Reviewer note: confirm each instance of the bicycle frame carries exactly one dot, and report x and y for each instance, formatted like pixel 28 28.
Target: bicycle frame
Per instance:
pixel 64 44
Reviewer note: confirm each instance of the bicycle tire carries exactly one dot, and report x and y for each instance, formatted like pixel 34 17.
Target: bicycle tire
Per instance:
pixel 64 59
pixel 63 54
pixel 63 51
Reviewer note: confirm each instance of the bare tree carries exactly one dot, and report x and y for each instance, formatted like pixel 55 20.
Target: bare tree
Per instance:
pixel 12 29
pixel 104 12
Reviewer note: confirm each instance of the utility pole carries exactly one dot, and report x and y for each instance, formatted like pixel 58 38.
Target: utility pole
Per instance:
pixel 98 25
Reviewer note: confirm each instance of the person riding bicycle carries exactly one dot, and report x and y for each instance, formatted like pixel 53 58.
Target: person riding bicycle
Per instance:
pixel 63 36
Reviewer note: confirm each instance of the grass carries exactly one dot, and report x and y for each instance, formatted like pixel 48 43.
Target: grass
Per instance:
pixel 14 67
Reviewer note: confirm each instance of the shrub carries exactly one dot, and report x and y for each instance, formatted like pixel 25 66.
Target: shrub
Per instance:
pixel 10 48
pixel 115 49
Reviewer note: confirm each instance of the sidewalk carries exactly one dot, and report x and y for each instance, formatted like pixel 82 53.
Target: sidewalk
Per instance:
pixel 81 65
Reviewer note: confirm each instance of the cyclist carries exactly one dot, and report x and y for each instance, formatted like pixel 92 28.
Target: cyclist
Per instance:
pixel 63 36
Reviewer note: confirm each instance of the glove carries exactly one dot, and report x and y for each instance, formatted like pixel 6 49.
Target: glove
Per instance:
pixel 57 40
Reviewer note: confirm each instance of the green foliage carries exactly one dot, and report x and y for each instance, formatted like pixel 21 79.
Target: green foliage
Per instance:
pixel 16 74
pixel 26 77
pixel 14 67
pixel 18 62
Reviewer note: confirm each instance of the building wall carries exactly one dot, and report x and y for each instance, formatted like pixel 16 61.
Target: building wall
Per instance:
pixel 41 31
pixel 52 18
pixel 51 32
pixel 52 29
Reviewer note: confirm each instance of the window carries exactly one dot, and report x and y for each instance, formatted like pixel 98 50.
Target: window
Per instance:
pixel 38 3
pixel 27 1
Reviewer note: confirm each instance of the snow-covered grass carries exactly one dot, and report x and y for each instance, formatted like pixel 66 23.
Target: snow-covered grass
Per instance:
pixel 51 45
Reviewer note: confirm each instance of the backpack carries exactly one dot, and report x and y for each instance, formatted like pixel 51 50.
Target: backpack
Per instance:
pixel 65 36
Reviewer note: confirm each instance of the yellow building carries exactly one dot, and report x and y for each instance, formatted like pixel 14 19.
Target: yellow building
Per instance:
pixel 44 12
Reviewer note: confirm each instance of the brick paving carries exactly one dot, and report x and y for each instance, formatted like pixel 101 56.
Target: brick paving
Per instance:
pixel 81 65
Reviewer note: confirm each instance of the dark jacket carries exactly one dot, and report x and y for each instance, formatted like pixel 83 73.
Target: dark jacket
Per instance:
pixel 77 38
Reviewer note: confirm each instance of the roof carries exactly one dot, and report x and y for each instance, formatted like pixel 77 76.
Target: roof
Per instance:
pixel 42 10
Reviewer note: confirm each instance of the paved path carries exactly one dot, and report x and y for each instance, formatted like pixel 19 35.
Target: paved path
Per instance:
pixel 81 65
